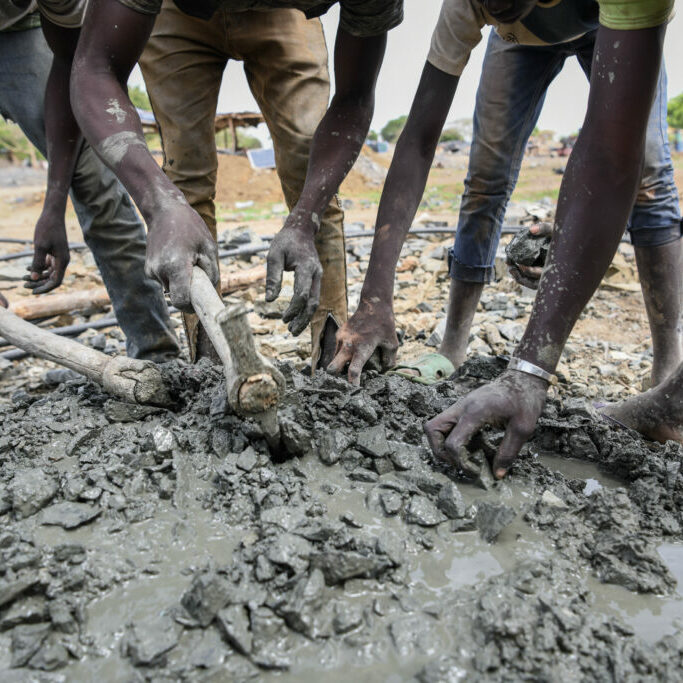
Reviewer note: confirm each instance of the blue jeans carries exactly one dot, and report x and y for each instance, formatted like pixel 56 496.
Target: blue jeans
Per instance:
pixel 510 96
pixel 111 226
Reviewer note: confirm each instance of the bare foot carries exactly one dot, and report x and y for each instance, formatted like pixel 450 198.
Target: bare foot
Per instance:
pixel 657 414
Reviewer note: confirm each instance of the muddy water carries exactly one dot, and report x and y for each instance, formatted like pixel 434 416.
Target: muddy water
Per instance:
pixel 366 566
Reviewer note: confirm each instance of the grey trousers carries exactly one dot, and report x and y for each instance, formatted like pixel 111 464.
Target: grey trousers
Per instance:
pixel 111 226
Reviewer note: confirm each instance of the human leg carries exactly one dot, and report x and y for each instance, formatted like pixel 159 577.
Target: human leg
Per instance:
pixel 111 227
pixel 509 99
pixel 285 60
pixel 183 66
pixel 655 227
pixel 656 414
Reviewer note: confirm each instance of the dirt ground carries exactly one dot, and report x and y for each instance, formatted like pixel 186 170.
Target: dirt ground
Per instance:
pixel 168 544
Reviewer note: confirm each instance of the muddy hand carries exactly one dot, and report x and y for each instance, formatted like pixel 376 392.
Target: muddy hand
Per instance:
pixel 370 328
pixel 529 276
pixel 514 401
pixel 293 248
pixel 177 241
pixel 50 254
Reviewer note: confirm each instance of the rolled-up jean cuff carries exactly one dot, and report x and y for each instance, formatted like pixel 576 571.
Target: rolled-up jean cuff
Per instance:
pixel 464 273
pixel 656 237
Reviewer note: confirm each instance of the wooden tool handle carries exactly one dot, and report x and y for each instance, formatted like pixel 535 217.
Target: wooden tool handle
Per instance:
pixel 254 386
pixel 133 380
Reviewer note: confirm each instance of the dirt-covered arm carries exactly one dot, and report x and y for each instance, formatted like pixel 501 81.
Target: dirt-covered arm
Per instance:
pixel 596 196
pixel 335 147
pixel 51 249
pixel 112 39
pixel 372 325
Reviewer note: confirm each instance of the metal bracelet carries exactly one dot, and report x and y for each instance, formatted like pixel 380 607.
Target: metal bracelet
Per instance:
pixel 531 369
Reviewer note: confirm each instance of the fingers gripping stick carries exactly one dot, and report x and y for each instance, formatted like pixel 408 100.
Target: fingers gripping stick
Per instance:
pixel 254 385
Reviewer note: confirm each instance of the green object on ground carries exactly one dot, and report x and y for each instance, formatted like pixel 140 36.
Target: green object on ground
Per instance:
pixel 432 368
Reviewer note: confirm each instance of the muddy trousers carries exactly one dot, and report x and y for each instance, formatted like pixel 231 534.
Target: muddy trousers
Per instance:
pixel 111 227
pixel 285 62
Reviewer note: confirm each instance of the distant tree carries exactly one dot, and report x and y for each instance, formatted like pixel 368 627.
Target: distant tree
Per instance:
pixel 451 135
pixel 373 136
pixel 139 98
pixel 245 141
pixel 393 129
pixel 675 111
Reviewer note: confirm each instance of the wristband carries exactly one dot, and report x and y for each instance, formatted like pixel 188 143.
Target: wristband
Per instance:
pixel 531 369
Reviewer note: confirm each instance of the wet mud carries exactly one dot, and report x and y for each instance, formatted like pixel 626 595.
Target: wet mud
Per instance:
pixel 168 545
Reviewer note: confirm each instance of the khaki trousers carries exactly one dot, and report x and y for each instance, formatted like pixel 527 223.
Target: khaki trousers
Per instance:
pixel 285 62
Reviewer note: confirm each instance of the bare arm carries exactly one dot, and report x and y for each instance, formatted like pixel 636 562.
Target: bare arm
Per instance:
pixel 111 42
pixel 372 326
pixel 51 249
pixel 334 149
pixel 596 196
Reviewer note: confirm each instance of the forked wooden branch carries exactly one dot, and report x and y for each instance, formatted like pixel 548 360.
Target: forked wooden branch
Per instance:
pixel 254 386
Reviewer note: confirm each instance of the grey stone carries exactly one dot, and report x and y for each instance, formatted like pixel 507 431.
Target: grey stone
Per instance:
pixel 445 669
pixel 70 515
pixel 208 593
pixel 11 590
pixel 338 566
pixel 552 500
pixel 436 337
pixel 451 502
pixel 422 511
pixel 331 444
pixel 300 610
pixel 233 623
pixel 59 376
pixel 346 618
pixel 147 642
pixel 392 502
pixel 31 490
pixel 295 438
pixel 26 640
pixel 527 249
pixel 373 442
pixel 164 441
pixel 247 459
pixel 492 518
pixel 411 633
pixel 428 481
pixel 287 517
pixel 31 610
pixel 5 500
pixel 361 474
pixel 290 551
pixel 50 657
pixel 404 456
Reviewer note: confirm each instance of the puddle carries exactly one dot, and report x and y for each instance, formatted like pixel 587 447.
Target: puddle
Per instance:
pixel 652 617
pixel 594 477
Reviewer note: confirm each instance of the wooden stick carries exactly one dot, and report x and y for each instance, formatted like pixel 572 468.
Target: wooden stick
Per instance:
pixel 98 298
pixel 254 387
pixel 133 380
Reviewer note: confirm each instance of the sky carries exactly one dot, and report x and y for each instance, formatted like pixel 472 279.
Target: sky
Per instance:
pixel 406 53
